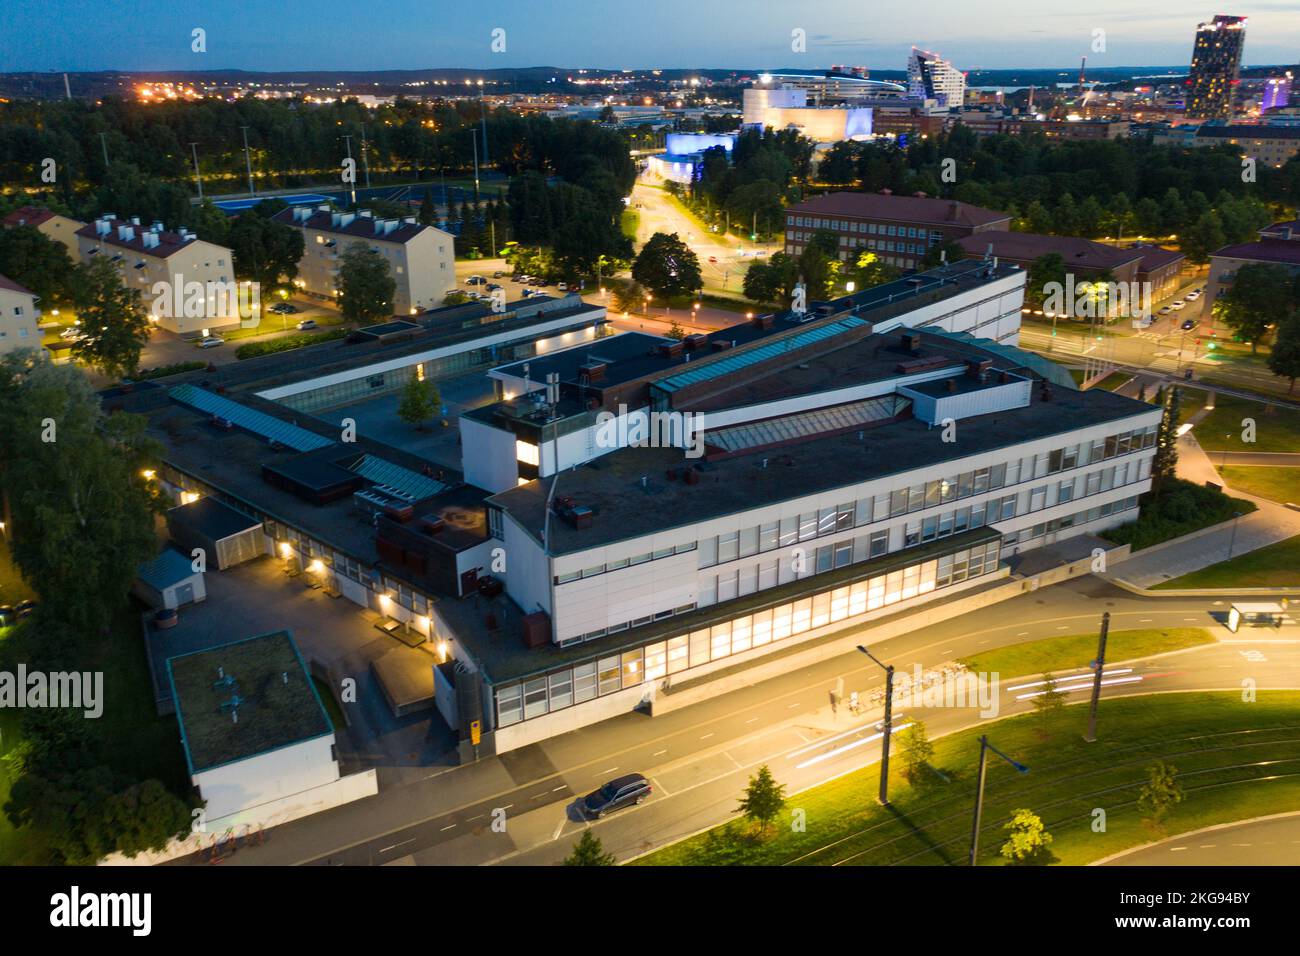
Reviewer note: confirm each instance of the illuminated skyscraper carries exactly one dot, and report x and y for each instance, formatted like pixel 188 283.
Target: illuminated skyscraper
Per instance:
pixel 933 78
pixel 1216 62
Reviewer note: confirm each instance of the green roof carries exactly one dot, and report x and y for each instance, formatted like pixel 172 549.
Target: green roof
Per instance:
pixel 244 699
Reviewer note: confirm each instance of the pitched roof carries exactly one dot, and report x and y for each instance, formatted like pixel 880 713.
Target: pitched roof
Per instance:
pixel 170 567
pixel 1265 250
pixel 925 209
pixel 169 243
pixel 1247 131
pixel 1028 246
pixel 12 286
pixel 1157 257
pixel 358 226
pixel 28 216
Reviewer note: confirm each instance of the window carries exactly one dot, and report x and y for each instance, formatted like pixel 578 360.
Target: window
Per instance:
pixel 633 665
pixel 561 689
pixel 509 706
pixel 898 503
pixel 720 640
pixel 748 542
pixel 879 543
pixel 699 647
pixel 609 669
pixel 808 526
pixel 678 653
pixel 728 547
pixel 767 536
pixel 584 682
pixel 655 661
pixel 534 697
pixel 708 552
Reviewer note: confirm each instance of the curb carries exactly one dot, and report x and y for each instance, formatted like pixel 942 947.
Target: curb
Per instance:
pixel 1191 833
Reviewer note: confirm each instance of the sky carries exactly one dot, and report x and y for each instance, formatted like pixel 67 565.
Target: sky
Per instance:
pixel 76 35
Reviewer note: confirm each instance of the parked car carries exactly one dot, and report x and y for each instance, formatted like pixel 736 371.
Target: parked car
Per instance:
pixel 477 280
pixel 307 324
pixel 23 608
pixel 1177 305
pixel 283 308
pixel 563 287
pixel 1189 325
pixel 618 793
pixel 1165 311
pixel 713 258
pixel 498 274
pixel 72 333
pixel 7 615
pixel 210 342
pixel 1193 296
pixel 493 286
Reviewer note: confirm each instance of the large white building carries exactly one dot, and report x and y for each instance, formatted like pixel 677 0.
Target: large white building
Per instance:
pixel 930 77
pixel 787 108
pixel 421 259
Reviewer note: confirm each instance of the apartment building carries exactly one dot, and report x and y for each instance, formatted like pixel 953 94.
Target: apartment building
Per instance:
pixel 1271 145
pixel 1277 245
pixel 900 229
pixel 931 77
pixel 61 229
pixel 1082 257
pixel 186 284
pixel 1216 67
pixel 18 317
pixel 421 259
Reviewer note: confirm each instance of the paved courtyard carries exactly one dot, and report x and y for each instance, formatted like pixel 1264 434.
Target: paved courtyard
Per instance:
pixel 258 598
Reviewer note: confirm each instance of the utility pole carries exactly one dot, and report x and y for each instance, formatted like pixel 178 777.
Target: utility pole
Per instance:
pixel 103 141
pixel 474 141
pixel 985 746
pixel 1100 663
pixel 482 114
pixel 889 726
pixel 248 161
pixel 348 139
pixel 198 178
pixel 67 90
pixel 365 159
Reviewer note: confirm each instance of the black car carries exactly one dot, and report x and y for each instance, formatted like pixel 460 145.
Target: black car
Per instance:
pixel 618 793
pixel 1189 325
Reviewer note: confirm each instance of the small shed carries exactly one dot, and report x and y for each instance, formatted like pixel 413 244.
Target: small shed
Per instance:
pixel 169 581
pixel 227 536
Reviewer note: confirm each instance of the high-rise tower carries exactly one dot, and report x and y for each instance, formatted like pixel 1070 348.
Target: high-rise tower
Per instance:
pixel 1216 63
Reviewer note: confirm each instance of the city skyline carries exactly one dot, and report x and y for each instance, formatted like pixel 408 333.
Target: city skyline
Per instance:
pixel 414 37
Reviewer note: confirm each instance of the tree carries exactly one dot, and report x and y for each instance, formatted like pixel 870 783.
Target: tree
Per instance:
pixel 588 851
pixel 1045 271
pixel 628 296
pixel 1259 292
pixel 114 326
pixel 1164 464
pixel 950 250
pixel 1284 360
pixel 1160 794
pixel 264 250
pixel 917 751
pixel 1027 839
pixel 420 402
pixel 1202 238
pixel 39 264
pixel 428 215
pixel 870 270
pixel 764 799
pixel 667 266
pixel 1049 702
pixel 366 287
pixel 676 331
pixel 80 513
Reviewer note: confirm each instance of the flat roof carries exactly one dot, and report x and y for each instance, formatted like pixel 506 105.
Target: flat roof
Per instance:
pixel 213 519
pixel 244 699
pixel 626 507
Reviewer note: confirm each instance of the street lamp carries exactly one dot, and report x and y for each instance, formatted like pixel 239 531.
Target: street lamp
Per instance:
pixel 985 746
pixel 1100 665
pixel 889 725
pixel 1232 538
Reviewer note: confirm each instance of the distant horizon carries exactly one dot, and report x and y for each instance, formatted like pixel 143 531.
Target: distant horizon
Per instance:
pixel 84 36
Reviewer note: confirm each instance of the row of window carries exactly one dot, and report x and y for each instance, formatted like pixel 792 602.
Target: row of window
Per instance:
pixel 1069 521
pixel 865 228
pixel 625 625
pixel 621 563
pixel 608 675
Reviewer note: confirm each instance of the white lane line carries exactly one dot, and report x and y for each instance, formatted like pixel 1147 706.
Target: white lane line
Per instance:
pixel 558 829
pixel 445 829
pixel 1144 620
pixel 610 770
pixel 557 789
pixel 1069 680
pixel 1105 683
pixel 794 705
pixel 869 725
pixel 396 845
pixel 851 745
pixel 751 720
pixel 707 736
pixel 739 765
pixel 1023 634
pixel 659 753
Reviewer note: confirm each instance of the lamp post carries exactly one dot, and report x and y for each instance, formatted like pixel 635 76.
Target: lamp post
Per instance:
pixel 1100 663
pixel 1232 538
pixel 985 746
pixel 889 725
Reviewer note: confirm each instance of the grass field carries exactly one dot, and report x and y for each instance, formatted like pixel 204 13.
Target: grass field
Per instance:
pixel 1062 653
pixel 629 222
pixel 1234 761
pixel 1277 429
pixel 1264 481
pixel 1276 566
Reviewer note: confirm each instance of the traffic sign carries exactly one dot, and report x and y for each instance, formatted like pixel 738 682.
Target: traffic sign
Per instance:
pixel 475 732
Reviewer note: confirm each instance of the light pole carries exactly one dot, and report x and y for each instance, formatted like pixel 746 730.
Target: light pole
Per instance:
pixel 1091 736
pixel 1232 538
pixel 889 726
pixel 985 746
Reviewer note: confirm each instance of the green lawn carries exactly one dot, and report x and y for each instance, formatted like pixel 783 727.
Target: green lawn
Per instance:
pixel 1114 380
pixel 331 704
pixel 629 222
pixel 1062 653
pixel 1277 429
pixel 1279 484
pixel 1234 760
pixel 1275 566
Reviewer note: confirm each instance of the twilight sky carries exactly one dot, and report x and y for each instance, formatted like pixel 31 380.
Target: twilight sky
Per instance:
pixel 614 34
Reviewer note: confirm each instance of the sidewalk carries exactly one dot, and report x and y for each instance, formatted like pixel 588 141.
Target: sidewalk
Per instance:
pixel 1270 524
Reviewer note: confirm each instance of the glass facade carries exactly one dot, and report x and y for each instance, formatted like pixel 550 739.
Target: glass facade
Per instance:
pixel 680 652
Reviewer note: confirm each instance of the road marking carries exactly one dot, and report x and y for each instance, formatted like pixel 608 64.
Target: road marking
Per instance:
pixel 1144 620
pixel 751 720
pixel 659 753
pixel 1189 619
pixel 706 736
pixel 852 745
pixel 1023 634
pixel 445 829
pixel 794 705
pixel 507 806
pixel 558 829
pixel 396 845
pixel 557 789
pixel 610 770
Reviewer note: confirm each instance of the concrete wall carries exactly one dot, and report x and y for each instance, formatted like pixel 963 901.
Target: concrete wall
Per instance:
pixel 267 778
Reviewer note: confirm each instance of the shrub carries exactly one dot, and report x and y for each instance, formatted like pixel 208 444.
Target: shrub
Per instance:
pixel 1180 508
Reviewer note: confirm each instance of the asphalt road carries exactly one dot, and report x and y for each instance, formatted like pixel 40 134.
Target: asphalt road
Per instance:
pixel 1267 842
pixel 699 758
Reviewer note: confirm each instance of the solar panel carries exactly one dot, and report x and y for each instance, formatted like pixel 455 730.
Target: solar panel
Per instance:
pixel 409 483
pixel 804 424
pixel 707 370
pixel 259 423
